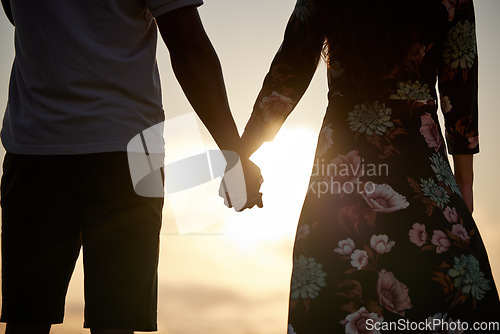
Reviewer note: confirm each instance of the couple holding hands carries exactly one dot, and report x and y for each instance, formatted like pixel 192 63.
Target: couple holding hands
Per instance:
pixel 391 236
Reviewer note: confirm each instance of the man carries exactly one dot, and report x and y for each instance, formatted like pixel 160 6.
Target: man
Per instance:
pixel 83 83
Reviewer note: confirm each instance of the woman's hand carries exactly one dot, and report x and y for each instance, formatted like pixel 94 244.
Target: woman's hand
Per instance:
pixel 253 182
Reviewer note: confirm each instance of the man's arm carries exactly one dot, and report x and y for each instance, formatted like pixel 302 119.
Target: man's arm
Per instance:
pixel 198 70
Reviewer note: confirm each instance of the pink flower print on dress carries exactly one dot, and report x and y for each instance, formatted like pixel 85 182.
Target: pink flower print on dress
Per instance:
pixel 276 107
pixel 460 232
pixel 343 172
pixel 325 141
pixel 345 247
pixel 359 259
pixel 451 214
pixel 430 131
pixel 440 240
pixel 381 243
pixel 473 142
pixel 355 323
pixel 392 294
pixel 446 104
pixel 450 7
pixel 302 232
pixel 384 199
pixel 418 235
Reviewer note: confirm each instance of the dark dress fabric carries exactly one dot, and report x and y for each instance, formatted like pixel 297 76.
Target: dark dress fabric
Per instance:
pixel 384 235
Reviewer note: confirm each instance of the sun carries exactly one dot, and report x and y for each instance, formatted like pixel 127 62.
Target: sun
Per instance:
pixel 286 165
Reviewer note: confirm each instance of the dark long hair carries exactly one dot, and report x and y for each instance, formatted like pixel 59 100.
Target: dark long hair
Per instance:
pixel 371 38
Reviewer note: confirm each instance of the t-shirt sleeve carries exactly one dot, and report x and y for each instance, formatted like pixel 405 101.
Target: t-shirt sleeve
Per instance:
pixel 160 7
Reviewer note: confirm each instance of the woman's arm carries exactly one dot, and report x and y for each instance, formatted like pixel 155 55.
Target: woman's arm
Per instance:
pixel 458 87
pixel 288 78
pixel 464 175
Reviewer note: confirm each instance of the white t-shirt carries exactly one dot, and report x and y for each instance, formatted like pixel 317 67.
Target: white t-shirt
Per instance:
pixel 84 79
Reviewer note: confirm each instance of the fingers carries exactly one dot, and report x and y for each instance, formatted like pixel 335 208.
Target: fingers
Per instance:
pixel 227 201
pixel 253 201
pixel 242 191
pixel 259 202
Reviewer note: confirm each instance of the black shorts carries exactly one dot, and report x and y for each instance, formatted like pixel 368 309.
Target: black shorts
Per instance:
pixel 51 205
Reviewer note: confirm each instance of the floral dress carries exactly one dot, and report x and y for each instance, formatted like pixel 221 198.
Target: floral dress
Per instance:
pixel 384 236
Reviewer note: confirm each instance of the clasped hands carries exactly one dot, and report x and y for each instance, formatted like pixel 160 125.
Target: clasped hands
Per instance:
pixel 240 186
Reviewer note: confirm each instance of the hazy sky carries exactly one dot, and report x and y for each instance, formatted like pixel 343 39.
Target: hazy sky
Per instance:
pixel 234 278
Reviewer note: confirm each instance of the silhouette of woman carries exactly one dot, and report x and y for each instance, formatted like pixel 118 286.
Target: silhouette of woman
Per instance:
pixel 386 236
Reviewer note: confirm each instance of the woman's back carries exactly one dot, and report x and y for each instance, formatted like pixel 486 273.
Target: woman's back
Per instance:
pixel 382 42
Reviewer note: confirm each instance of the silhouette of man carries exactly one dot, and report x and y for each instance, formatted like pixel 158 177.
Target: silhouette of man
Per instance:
pixel 84 82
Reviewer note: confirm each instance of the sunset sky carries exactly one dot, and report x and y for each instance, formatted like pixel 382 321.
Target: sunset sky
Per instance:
pixel 233 276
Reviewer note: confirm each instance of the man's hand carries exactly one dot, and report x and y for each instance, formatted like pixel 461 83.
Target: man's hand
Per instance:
pixel 242 191
pixel 253 182
pixel 198 70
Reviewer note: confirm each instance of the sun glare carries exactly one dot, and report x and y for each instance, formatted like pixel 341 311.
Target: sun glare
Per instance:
pixel 286 166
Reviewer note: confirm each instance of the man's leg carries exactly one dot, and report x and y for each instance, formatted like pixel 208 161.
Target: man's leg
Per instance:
pixel 27 329
pixel 45 329
pixel 120 236
pixel 40 240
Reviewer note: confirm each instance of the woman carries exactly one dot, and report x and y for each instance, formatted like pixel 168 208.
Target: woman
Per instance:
pixel 386 232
